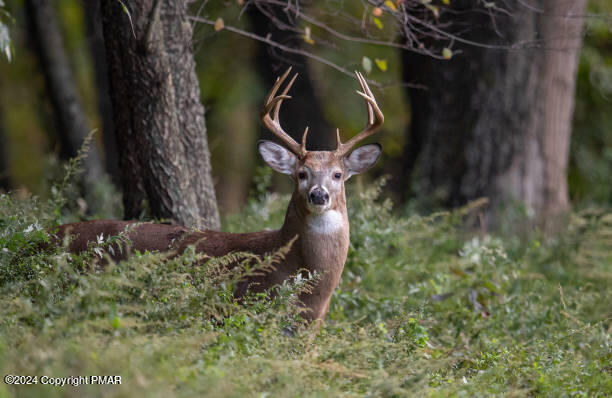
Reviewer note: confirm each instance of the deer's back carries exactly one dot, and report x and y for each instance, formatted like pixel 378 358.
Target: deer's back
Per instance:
pixel 164 237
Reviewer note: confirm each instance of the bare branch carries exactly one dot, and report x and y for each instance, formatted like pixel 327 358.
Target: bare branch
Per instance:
pixel 283 47
pixel 304 53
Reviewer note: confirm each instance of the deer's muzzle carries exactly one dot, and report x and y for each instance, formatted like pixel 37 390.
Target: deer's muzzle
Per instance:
pixel 318 196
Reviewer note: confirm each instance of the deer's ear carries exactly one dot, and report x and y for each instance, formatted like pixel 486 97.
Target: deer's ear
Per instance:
pixel 277 157
pixel 361 159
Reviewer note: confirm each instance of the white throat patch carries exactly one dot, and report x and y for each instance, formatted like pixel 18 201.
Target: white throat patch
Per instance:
pixel 325 223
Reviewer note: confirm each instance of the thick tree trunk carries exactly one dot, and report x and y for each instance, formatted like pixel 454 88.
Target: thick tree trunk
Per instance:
pixel 95 39
pixel 160 125
pixel 538 174
pixel 493 122
pixel 72 126
pixel 304 106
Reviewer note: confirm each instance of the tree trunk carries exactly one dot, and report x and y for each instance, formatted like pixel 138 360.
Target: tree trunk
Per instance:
pixel 71 121
pixel 95 39
pixel 493 122
pixel 538 174
pixel 5 182
pixel 160 125
pixel 304 106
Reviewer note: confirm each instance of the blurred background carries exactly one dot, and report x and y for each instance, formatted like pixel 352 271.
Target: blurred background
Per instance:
pixel 235 72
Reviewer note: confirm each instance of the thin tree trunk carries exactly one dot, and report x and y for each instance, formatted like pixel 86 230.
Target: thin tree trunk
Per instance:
pixel 160 125
pixel 71 121
pixel 304 106
pixel 5 181
pixel 95 39
pixel 497 123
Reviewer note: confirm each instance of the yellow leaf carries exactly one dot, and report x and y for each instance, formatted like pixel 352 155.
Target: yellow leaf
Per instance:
pixel 446 2
pixel 435 10
pixel 219 24
pixel 382 64
pixel 307 36
pixel 447 53
pixel 377 22
pixel 391 6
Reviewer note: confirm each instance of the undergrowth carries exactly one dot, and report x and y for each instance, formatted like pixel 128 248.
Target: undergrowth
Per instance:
pixel 425 308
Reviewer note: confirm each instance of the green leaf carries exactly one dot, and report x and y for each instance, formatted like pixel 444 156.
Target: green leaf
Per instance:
pixel 127 12
pixel 458 272
pixel 382 64
pixel 491 286
pixel 378 23
pixel 366 64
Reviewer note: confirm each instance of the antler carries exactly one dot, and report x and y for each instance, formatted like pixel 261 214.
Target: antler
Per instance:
pixel 375 119
pixel 273 103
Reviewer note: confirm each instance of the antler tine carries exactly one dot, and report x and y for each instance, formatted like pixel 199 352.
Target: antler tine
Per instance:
pixel 284 94
pixel 277 84
pixel 375 118
pixel 273 104
pixel 303 147
pixel 366 89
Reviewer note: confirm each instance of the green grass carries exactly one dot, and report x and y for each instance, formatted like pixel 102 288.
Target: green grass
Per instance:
pixel 425 308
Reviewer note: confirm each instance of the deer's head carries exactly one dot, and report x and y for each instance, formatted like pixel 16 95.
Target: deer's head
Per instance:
pixel 319 175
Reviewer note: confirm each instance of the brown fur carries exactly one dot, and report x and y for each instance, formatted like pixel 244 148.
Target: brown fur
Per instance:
pixel 322 241
pixel 325 255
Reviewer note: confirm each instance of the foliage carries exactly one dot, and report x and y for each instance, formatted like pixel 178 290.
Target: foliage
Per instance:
pixel 233 109
pixel 591 150
pixel 424 308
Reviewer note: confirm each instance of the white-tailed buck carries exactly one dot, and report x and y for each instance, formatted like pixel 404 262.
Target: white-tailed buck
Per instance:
pixel 316 215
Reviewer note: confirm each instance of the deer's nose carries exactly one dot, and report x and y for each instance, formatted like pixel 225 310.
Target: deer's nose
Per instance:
pixel 318 196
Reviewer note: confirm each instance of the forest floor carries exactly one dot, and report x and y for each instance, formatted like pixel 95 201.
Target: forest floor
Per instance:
pixel 426 307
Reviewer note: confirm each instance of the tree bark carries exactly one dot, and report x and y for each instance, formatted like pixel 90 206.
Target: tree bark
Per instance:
pixel 304 106
pixel 493 122
pixel 160 125
pixel 95 39
pixel 71 121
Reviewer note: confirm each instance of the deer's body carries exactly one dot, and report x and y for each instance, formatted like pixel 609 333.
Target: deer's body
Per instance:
pixel 316 214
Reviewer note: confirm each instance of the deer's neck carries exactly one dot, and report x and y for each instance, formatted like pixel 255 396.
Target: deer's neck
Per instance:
pixel 310 228
pixel 300 222
pixel 321 247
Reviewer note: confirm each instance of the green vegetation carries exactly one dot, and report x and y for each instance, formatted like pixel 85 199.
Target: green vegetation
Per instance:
pixel 591 148
pixel 425 308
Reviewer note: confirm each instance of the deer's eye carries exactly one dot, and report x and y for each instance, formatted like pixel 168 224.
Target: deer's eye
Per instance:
pixel 301 175
pixel 337 176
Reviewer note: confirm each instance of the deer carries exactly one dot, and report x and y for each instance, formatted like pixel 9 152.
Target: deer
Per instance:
pixel 316 224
